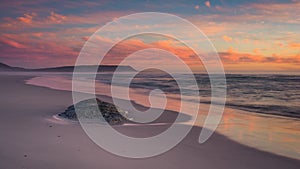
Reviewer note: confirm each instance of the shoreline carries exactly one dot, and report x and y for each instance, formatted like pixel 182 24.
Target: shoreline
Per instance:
pixel 66 145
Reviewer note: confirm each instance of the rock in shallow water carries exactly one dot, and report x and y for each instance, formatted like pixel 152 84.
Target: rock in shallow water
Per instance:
pixel 89 109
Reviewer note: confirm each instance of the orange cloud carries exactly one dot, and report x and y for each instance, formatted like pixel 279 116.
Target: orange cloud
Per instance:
pixel 256 51
pixel 32 20
pixel 232 56
pixel 232 59
pixel 44 48
pixel 227 38
pixel 231 50
pixel 56 18
pixel 294 45
pixel 27 18
pixel 127 47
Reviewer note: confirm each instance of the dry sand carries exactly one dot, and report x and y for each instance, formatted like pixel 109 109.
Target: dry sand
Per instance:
pixel 32 139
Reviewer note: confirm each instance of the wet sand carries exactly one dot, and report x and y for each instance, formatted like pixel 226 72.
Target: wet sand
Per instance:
pixel 32 138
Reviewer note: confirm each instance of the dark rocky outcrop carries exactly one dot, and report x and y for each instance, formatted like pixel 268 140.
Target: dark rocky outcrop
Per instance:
pixel 89 110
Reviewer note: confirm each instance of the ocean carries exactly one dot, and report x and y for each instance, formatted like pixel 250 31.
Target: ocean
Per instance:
pixel 266 94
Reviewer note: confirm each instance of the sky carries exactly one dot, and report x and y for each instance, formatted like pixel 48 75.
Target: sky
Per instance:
pixel 249 36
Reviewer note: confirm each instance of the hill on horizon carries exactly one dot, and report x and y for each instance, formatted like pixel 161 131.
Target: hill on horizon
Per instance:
pixel 81 68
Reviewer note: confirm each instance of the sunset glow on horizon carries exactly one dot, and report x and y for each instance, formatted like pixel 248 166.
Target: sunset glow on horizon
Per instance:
pixel 249 36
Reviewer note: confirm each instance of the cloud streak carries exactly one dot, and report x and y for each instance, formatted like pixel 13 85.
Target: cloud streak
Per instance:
pixel 235 57
pixel 12 43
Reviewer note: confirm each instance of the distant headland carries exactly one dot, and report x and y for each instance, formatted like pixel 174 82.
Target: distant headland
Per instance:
pixel 81 68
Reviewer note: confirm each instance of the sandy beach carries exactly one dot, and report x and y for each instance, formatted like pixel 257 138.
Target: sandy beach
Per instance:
pixel 32 138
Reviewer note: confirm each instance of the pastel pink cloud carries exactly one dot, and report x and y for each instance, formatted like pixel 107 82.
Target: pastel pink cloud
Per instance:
pixel 207 3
